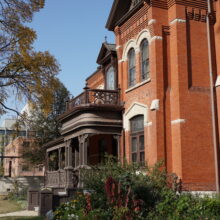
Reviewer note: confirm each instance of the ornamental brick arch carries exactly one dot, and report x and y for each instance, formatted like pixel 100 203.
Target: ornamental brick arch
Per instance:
pixel 135 43
pixel 144 34
pixel 130 44
pixel 135 109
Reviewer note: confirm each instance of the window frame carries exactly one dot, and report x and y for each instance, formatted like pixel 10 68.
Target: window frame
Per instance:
pixel 106 72
pixel 131 69
pixel 144 76
pixel 137 134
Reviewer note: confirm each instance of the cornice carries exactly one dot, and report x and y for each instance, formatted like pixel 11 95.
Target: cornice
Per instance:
pixel 130 13
pixel 52 143
pixel 163 4
pixel 89 107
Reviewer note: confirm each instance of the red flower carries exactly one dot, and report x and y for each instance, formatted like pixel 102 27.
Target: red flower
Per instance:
pixel 110 188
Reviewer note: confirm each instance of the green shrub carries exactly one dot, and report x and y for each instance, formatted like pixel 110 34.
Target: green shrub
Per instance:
pixel 1 171
pixel 185 206
pixel 134 192
pixel 18 192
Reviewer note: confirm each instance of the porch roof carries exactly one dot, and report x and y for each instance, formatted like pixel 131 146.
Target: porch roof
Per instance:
pixel 57 142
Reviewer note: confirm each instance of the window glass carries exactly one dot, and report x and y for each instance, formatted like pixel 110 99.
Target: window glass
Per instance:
pixel 134 144
pixel 134 157
pixel 145 70
pixel 137 123
pixel 131 67
pixel 141 141
pixel 110 79
pixel 137 139
pixel 142 157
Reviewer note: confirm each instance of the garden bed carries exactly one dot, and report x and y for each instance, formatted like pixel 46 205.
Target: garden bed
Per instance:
pixel 132 192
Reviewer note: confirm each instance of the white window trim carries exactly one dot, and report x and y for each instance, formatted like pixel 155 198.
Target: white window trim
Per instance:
pixel 135 109
pixel 135 43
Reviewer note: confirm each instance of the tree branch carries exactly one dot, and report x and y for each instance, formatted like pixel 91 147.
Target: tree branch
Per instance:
pixel 4 106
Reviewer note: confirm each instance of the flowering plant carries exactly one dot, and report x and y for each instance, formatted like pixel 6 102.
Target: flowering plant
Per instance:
pixel 129 192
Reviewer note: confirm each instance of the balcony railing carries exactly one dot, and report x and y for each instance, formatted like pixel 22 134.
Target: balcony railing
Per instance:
pixel 55 179
pixel 58 179
pixel 96 97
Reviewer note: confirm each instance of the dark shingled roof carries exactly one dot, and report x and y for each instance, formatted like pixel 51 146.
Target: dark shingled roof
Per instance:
pixel 119 8
pixel 106 48
pixel 110 47
pixel 122 10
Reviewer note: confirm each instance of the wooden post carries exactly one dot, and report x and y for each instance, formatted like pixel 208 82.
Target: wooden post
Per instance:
pixel 83 144
pixel 59 152
pixel 85 152
pixel 47 161
pixel 86 89
pixel 69 165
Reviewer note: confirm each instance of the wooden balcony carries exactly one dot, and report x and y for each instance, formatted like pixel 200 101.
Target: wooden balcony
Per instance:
pixel 56 179
pixel 94 97
pixel 67 178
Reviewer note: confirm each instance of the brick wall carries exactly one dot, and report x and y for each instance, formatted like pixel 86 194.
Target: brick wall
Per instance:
pixel 180 131
pixel 19 167
pixel 96 80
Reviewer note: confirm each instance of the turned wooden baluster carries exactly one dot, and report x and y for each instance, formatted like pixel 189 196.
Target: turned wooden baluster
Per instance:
pixel 86 89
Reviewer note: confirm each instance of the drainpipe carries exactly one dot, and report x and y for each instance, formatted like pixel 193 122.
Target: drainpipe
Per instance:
pixel 212 94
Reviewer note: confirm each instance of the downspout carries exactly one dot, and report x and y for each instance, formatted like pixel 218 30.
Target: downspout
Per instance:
pixel 212 94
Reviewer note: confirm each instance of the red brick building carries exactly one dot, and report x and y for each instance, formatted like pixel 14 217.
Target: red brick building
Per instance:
pixel 149 100
pixel 14 164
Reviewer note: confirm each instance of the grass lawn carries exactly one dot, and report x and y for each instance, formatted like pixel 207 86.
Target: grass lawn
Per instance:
pixel 13 206
pixel 8 206
pixel 21 218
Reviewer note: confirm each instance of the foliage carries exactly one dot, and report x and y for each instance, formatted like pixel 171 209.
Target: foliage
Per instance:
pixel 44 125
pixel 186 206
pixel 1 170
pixel 23 70
pixel 18 192
pixel 22 218
pixel 131 192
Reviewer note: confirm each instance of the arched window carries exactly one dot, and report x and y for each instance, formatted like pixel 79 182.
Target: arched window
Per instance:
pixel 110 79
pixel 131 67
pixel 145 71
pixel 137 139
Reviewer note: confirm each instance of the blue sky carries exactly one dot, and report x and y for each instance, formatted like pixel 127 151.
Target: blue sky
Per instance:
pixel 73 32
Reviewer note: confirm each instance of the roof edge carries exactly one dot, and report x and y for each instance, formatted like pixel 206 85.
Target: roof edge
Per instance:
pixel 91 75
pixel 54 142
pixel 111 15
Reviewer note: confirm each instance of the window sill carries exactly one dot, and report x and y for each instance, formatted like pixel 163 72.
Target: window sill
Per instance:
pixel 137 85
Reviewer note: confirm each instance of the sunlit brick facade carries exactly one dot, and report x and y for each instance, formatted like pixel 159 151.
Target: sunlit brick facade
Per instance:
pixel 14 163
pixel 149 99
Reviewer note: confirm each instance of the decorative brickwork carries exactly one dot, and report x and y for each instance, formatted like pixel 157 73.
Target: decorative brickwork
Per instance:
pixel 180 126
pixel 173 101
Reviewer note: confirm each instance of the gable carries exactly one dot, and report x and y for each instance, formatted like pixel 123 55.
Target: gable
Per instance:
pixel 118 10
pixel 105 51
